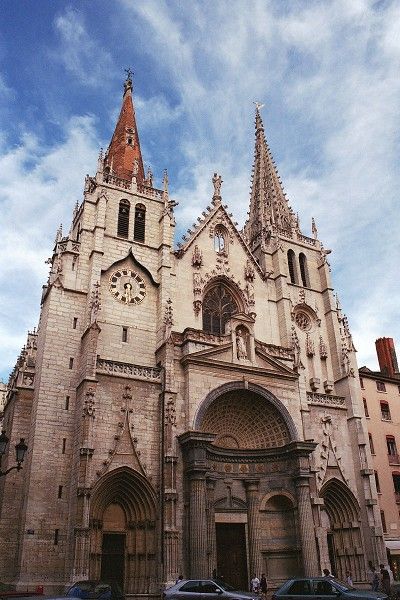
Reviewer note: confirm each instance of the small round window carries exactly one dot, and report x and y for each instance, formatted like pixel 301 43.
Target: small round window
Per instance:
pixel 302 320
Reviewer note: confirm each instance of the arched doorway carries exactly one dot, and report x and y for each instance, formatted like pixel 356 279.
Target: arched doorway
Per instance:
pixel 278 516
pixel 341 518
pixel 244 444
pixel 123 532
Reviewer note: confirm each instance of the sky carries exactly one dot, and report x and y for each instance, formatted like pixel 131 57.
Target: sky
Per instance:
pixel 327 72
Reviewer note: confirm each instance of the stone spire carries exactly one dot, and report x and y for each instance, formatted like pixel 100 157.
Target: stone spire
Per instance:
pixel 269 208
pixel 123 157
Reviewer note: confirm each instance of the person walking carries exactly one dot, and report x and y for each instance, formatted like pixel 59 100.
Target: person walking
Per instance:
pixel 255 584
pixel 263 587
pixel 385 580
pixel 327 573
pixel 349 578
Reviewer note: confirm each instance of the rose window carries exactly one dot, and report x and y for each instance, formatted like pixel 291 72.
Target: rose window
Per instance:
pixel 302 320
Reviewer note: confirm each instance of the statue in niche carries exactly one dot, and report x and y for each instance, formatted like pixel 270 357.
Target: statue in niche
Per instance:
pixel 241 350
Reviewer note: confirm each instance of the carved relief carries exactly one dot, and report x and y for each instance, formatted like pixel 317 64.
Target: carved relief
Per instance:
pixel 89 404
pixel 95 303
pixel 249 273
pixel 197 258
pixel 328 450
pixel 168 317
pixel 309 346
pixel 170 412
pixel 323 350
pixel 297 364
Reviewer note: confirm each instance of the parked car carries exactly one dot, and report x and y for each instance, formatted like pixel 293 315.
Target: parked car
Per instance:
pixel 92 590
pixel 322 588
pixel 205 589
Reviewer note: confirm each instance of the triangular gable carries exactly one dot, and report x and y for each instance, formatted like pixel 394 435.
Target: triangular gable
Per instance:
pixel 199 228
pixel 136 262
pixel 220 356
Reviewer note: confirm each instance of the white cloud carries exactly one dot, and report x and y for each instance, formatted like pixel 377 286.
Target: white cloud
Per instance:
pixel 38 188
pixel 82 55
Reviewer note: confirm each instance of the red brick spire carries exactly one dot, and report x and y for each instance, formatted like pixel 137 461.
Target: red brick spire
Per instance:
pixel 123 157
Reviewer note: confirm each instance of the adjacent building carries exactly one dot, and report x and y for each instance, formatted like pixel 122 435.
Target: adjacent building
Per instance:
pixel 381 399
pixel 190 408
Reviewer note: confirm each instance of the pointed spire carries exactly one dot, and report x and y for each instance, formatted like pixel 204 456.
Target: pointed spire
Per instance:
pixel 123 156
pixel 268 203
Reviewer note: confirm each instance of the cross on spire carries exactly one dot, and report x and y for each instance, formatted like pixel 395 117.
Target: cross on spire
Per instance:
pixel 129 74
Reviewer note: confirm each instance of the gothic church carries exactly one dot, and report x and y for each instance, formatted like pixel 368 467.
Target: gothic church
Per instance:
pixel 191 409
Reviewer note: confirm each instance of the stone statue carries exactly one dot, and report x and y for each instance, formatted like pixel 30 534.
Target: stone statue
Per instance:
pixel 217 181
pixel 241 349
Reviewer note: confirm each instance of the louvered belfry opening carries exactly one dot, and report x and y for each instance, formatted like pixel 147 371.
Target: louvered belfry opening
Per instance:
pixel 123 219
pixel 140 223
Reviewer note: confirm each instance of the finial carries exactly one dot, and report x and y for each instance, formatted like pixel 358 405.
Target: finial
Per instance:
pixel 314 228
pixel 165 182
pixel 128 80
pixel 259 105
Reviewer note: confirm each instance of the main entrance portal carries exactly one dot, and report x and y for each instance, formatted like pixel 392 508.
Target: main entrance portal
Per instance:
pixel 231 554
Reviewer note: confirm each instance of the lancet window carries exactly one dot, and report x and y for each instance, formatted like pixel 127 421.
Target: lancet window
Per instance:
pixel 303 270
pixel 218 307
pixel 291 258
pixel 140 223
pixel 123 219
pixel 220 237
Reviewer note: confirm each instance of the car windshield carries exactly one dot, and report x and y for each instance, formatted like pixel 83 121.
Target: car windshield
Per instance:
pixel 225 586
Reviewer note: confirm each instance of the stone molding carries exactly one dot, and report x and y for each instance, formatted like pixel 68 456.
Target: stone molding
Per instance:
pixel 326 400
pixel 120 369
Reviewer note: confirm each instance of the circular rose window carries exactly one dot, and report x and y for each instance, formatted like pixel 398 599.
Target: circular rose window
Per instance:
pixel 302 320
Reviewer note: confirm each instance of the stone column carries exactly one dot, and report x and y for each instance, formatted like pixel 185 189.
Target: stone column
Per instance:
pixel 253 521
pixel 198 526
pixel 306 526
pixel 211 534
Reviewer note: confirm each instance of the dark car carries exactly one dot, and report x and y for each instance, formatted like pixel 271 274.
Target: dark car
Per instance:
pixel 322 588
pixel 205 589
pixel 92 590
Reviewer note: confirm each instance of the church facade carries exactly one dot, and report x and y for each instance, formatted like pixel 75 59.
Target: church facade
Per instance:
pixel 189 410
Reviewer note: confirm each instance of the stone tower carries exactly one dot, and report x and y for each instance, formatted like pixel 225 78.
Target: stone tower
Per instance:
pixel 190 410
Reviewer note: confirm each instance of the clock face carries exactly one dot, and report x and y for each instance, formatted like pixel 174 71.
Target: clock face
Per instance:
pixel 127 286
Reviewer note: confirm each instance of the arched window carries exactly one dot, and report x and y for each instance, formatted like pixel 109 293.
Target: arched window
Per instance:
pixel 291 259
pixel 303 269
pixel 218 307
pixel 140 223
pixel 220 237
pixel 123 219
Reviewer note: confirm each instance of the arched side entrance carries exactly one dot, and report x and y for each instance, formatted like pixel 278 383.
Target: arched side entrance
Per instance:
pixel 123 532
pixel 245 443
pixel 278 524
pixel 341 518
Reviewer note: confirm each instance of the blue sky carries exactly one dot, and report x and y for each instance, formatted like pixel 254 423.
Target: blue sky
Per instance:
pixel 327 71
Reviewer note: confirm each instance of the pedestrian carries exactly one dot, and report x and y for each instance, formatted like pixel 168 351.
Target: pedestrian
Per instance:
pixel 180 578
pixel 349 579
pixel 254 584
pixel 263 586
pixel 385 580
pixel 327 573
pixel 373 576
